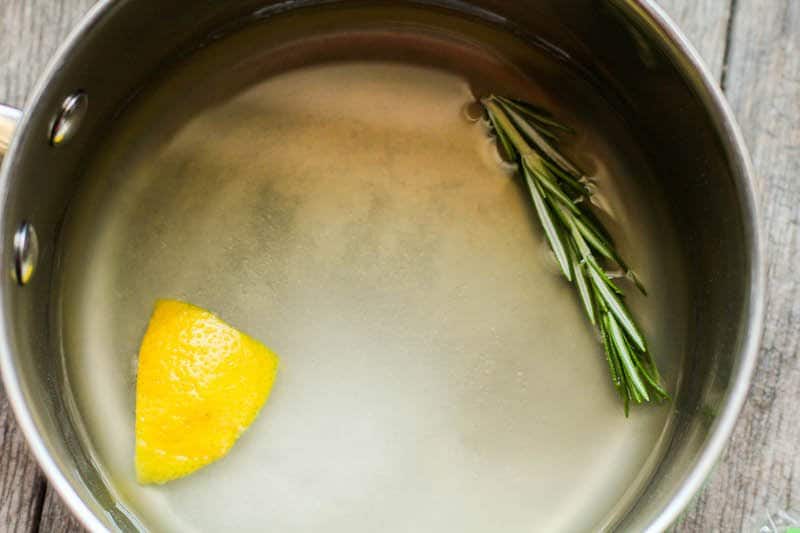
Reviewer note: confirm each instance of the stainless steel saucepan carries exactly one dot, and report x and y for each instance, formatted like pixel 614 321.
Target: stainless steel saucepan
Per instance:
pixel 99 285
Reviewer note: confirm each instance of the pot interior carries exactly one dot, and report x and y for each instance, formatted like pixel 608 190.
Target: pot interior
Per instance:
pixel 316 179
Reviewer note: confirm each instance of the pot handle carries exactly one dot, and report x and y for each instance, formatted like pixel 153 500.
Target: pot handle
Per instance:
pixel 9 117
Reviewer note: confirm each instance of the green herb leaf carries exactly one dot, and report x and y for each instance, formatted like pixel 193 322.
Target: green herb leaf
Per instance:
pixel 527 135
pixel 548 224
pixel 629 366
pixel 618 309
pixel 583 286
pixel 541 143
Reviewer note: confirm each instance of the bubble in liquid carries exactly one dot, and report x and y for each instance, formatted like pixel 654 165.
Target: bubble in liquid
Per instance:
pixel 472 111
pixel 499 157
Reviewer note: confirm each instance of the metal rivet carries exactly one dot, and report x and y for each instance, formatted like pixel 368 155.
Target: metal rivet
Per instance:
pixel 26 253
pixel 69 118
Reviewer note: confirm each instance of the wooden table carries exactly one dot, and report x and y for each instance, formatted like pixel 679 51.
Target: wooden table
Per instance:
pixel 753 49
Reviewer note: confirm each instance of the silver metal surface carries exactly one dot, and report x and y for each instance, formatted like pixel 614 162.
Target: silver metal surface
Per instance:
pixel 69 118
pixel 716 214
pixel 722 424
pixel 26 253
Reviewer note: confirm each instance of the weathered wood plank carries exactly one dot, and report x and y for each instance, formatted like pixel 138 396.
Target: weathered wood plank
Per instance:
pixel 760 471
pixel 56 518
pixel 705 23
pixel 21 484
pixel 31 32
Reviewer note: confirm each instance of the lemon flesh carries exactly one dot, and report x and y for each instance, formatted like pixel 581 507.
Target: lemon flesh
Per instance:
pixel 200 384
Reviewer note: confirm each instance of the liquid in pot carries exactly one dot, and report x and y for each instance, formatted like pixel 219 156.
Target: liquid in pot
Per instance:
pixel 437 371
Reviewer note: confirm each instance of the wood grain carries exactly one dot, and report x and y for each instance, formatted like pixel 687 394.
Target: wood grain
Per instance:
pixel 760 470
pixel 760 61
pixel 21 484
pixel 31 32
pixel 705 23
pixel 55 517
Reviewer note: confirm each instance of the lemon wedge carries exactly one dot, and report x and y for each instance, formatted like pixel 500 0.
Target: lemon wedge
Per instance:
pixel 200 384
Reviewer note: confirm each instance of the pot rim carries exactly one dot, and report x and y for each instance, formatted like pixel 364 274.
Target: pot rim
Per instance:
pixel 721 114
pixel 687 61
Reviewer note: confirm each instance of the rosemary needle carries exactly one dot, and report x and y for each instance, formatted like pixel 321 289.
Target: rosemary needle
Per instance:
pixel 528 135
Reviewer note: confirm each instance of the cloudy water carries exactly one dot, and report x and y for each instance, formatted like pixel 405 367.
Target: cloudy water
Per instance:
pixel 437 372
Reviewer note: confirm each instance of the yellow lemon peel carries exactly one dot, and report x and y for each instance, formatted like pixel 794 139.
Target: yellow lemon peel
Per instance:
pixel 200 384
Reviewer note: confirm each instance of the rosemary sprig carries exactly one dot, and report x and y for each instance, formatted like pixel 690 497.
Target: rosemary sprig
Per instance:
pixel 579 241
